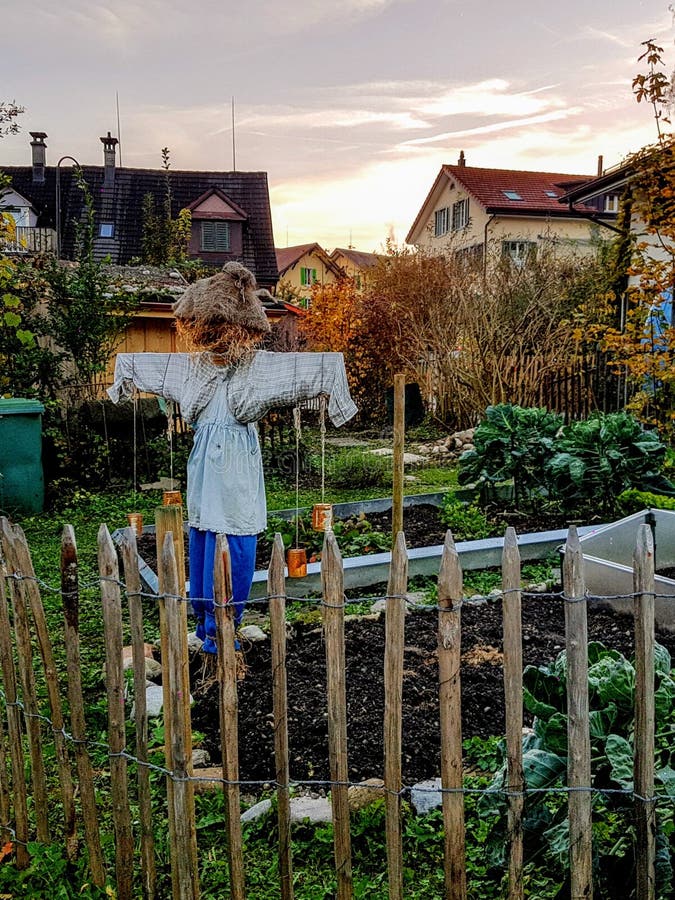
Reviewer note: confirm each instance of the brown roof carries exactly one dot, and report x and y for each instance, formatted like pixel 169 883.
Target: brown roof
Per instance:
pixel 287 257
pixel 358 258
pixel 529 193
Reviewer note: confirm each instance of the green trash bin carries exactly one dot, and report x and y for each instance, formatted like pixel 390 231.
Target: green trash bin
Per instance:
pixel 21 480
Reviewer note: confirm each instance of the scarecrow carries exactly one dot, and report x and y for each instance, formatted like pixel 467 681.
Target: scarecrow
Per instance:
pixel 223 386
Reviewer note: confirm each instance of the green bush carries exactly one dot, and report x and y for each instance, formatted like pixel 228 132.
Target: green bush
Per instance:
pixel 511 444
pixel 353 468
pixel 466 521
pixel 632 500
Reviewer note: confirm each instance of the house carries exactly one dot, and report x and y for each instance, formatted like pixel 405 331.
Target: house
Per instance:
pixel 231 218
pixel 302 267
pixel 356 264
pixel 469 209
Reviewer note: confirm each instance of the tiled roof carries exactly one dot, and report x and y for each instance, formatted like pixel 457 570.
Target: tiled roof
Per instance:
pixel 488 186
pixel 358 258
pixel 288 256
pixel 122 205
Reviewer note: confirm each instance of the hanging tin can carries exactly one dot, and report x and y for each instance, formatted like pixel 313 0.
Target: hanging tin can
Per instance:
pixel 296 559
pixel 172 498
pixel 322 516
pixel 135 521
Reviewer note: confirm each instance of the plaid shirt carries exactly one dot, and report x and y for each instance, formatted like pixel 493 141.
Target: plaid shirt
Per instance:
pixel 255 386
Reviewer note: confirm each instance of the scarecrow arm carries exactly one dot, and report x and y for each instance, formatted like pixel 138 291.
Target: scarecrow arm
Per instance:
pixel 155 373
pixel 282 379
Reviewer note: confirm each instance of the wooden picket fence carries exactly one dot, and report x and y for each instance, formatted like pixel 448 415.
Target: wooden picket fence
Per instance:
pixel 22 621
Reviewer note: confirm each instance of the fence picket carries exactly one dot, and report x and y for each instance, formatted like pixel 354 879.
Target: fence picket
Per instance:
pixel 334 634
pixel 70 596
pixel 14 730
pixel 111 602
pixel 450 593
pixel 185 862
pixel 276 588
pixel 133 587
pixel 24 654
pixel 32 597
pixel 393 707
pixel 578 734
pixel 645 806
pixel 513 699
pixel 228 707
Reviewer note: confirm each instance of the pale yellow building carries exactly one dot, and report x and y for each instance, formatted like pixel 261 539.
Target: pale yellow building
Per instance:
pixel 356 264
pixel 509 212
pixel 302 267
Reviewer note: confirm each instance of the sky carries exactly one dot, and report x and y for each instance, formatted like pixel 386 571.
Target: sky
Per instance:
pixel 351 107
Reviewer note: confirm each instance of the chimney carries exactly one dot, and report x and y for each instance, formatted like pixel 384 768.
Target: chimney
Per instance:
pixel 462 160
pixel 600 163
pixel 39 155
pixel 109 143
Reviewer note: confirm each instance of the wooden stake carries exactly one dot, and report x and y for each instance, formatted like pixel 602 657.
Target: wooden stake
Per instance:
pixel 133 584
pixel 31 596
pixel 276 588
pixel 229 728
pixel 24 653
pixel 5 835
pixel 513 697
pixel 112 628
pixel 185 862
pixel 393 711
pixel 14 730
pixel 578 735
pixel 450 594
pixel 70 597
pixel 399 447
pixel 645 805
pixel 334 633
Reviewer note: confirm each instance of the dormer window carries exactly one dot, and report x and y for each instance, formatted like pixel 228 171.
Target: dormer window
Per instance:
pixel 611 203
pixel 215 236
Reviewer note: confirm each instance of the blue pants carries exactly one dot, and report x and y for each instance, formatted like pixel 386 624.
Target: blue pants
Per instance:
pixel 202 559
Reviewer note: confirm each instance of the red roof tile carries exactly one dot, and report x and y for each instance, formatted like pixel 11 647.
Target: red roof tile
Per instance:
pixel 488 186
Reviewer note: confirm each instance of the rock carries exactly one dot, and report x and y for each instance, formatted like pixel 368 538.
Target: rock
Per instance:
pixel 382 451
pixel 257 811
pixel 380 606
pixel 495 594
pixel 426 795
pixel 316 809
pixel 478 599
pixel 467 448
pixel 208 780
pixel 200 758
pixel 127 655
pixel 253 633
pixel 153 669
pixel 363 794
pixel 416 598
pixel 164 484
pixel 154 700
pixel 409 478
pixel 194 643
pixel 355 617
pixel 541 588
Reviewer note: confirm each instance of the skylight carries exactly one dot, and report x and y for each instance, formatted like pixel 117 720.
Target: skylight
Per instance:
pixel 550 194
pixel 512 195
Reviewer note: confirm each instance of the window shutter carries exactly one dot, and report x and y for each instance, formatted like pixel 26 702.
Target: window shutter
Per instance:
pixel 215 237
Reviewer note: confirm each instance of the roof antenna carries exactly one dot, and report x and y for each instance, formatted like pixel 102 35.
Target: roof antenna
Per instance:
pixel 234 149
pixel 350 245
pixel 119 134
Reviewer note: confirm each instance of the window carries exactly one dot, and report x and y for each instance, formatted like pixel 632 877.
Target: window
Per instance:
pixel 460 214
pixel 307 276
pixel 441 222
pixel 106 230
pixel 551 194
pixel 518 251
pixel 512 195
pixel 611 203
pixel 215 237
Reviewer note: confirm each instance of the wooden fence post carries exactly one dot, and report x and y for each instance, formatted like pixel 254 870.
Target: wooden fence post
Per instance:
pixel 513 698
pixel 24 654
pixel 31 594
pixel 112 628
pixel 334 632
pixel 185 861
pixel 276 589
pixel 645 804
pixel 397 462
pixel 19 792
pixel 70 597
pixel 578 734
pixel 393 711
pixel 450 595
pixel 132 581
pixel 228 706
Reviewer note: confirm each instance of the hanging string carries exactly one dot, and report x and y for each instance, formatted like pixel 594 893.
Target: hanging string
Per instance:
pixel 296 425
pixel 322 429
pixel 171 413
pixel 135 402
